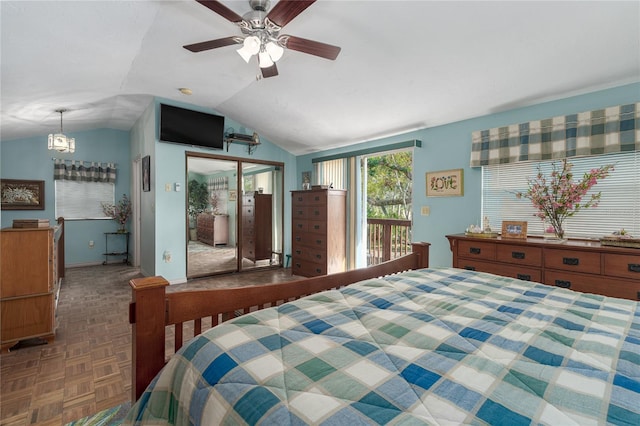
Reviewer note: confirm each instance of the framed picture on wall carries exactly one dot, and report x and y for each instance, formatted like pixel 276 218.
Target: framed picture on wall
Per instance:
pixel 445 183
pixel 146 173
pixel 22 194
pixel 233 195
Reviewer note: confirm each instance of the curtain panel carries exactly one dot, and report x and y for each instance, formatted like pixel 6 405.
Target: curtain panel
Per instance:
pixel 77 171
pixel 603 131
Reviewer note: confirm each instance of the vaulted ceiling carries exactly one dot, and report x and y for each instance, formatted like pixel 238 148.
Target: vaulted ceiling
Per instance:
pixel 404 65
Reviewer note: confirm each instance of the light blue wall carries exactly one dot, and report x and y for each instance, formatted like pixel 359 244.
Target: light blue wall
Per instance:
pixel 30 159
pixel 449 147
pixel 163 220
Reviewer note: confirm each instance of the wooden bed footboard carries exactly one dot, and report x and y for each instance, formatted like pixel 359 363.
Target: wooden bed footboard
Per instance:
pixel 152 309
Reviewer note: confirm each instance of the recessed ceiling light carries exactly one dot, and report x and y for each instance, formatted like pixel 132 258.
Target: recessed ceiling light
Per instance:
pixel 185 91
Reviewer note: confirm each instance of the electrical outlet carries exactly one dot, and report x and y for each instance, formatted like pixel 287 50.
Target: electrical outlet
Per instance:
pixel 91 244
pixel 167 187
pixel 425 210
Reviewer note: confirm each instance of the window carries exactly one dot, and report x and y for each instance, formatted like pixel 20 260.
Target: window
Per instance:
pixel 332 172
pixel 619 206
pixel 82 200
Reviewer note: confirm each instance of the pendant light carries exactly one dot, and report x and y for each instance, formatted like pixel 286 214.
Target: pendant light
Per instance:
pixel 59 141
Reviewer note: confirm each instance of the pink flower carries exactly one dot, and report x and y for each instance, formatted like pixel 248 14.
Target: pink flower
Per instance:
pixel 561 197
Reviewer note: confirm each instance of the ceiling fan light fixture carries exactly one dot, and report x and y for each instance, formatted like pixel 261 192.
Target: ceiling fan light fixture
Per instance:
pixel 250 47
pixel 275 51
pixel 59 141
pixel 264 59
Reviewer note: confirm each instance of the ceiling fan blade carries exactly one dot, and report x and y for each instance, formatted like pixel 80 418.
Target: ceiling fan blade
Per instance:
pixel 213 44
pixel 271 71
pixel 221 10
pixel 311 47
pixel 285 10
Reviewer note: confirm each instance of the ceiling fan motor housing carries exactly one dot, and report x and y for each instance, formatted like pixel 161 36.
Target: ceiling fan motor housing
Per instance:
pixel 262 5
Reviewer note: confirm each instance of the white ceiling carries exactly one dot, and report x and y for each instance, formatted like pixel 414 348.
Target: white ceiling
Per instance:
pixel 404 65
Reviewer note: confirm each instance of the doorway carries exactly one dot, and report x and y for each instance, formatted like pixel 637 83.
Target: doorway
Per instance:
pixel 221 192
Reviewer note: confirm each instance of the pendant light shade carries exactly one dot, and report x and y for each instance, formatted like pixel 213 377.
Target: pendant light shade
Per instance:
pixel 59 141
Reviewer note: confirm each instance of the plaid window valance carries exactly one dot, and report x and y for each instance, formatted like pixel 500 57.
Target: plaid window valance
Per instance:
pixel 77 170
pixel 603 131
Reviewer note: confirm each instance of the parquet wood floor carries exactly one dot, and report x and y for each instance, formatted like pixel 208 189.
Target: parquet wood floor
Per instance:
pixel 88 366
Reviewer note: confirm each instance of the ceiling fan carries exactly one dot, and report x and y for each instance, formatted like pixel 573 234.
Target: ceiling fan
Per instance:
pixel 261 33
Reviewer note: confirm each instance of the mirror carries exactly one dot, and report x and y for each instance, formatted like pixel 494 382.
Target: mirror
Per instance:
pixel 211 216
pixel 222 237
pixel 262 216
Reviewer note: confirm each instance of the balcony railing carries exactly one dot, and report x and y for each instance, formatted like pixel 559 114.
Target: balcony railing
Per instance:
pixel 387 239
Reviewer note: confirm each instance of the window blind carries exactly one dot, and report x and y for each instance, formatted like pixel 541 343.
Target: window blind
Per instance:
pixel 82 200
pixel 619 206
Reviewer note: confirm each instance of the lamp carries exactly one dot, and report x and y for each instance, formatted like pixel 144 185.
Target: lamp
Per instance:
pixel 263 45
pixel 59 141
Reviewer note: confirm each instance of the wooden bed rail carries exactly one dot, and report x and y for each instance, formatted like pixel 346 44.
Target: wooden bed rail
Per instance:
pixel 152 308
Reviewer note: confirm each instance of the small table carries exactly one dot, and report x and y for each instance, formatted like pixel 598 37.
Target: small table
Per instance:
pixel 116 253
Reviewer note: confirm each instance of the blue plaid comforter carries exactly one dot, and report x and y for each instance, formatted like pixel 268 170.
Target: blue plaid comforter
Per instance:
pixel 434 346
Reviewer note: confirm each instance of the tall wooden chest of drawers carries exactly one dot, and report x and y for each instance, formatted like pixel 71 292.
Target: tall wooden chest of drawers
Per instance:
pixel 213 229
pixel 585 266
pixel 318 231
pixel 29 283
pixel 257 226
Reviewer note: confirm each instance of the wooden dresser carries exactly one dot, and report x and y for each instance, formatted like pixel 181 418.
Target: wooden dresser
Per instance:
pixel 29 283
pixel 213 229
pixel 319 232
pixel 257 226
pixel 585 266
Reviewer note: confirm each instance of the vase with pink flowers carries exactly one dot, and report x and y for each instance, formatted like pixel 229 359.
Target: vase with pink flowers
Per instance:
pixel 559 196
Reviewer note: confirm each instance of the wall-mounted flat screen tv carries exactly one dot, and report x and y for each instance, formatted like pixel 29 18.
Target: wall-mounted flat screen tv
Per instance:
pixel 185 126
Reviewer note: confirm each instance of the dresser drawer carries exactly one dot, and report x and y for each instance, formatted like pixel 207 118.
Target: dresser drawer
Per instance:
pixel 477 250
pixel 317 255
pixel 248 211
pixel 627 289
pixel 318 226
pixel 572 260
pixel 520 255
pixel 300 225
pixel 519 272
pixel 300 212
pixel 309 240
pixel 310 198
pixel 307 268
pixel 622 265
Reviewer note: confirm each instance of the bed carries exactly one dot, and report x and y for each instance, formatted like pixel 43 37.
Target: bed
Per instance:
pixel 424 346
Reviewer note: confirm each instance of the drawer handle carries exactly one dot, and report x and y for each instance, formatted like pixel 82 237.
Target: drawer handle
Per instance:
pixel 525 277
pixel 634 267
pixel 298 238
pixel 298 251
pixel 570 261
pixel 299 198
pixel 318 270
pixel 319 256
pixel 474 250
pixel 300 212
pixel 298 265
pixel 248 210
pixel 316 212
pixel 563 283
pixel 318 241
pixel 299 225
pixel 316 227
pixel 317 198
pixel 470 268
pixel 517 255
